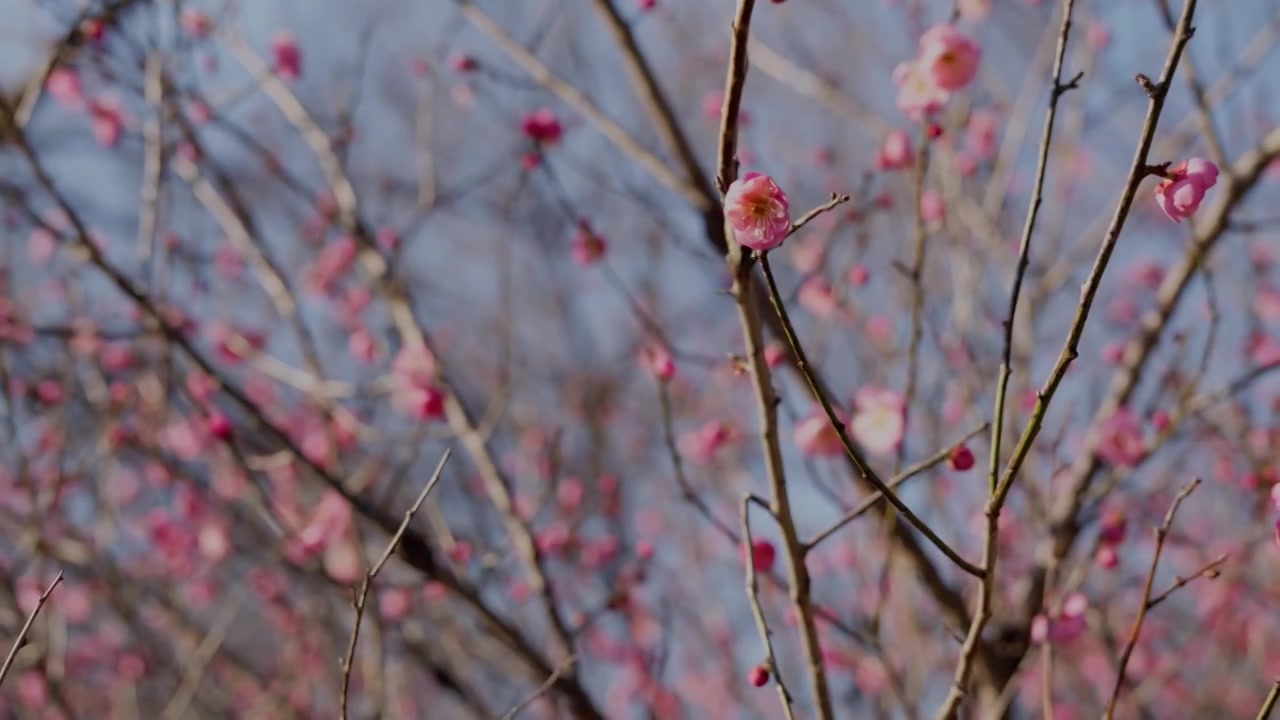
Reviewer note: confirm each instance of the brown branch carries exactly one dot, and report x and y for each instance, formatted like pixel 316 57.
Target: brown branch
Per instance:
pixel 376 269
pixel 807 84
pixel 581 104
pixel 362 596
pixel 766 396
pixel 876 498
pixel 753 594
pixel 1270 703
pixel 416 551
pixel 1157 93
pixel 1161 533
pixel 986 593
pixel 835 202
pixel 21 640
pixel 677 463
pixel 839 425
pixel 1234 185
pixel 1209 571
pixel 655 103
pixel 561 669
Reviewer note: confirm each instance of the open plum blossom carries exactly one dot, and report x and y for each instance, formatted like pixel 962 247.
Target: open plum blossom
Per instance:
pixel 758 211
pixel 947 61
pixel 949 57
pixel 918 97
pixel 1180 193
pixel 880 420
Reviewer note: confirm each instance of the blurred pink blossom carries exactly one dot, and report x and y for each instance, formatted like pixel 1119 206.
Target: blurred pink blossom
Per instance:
pixel 879 420
pixel 287 56
pixel 949 57
pixel 895 151
pixel 1122 441
pixel 817 437
pixel 542 126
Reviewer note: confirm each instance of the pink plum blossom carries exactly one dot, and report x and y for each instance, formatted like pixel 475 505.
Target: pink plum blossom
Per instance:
pixel 758 211
pixel 949 57
pixel 657 359
pixel 1063 627
pixel 415 392
pixel 1122 441
pixel 1180 194
pixel 63 85
pixel 763 555
pixel 895 152
pixel 702 444
pixel 918 96
pixel 818 297
pixel 817 437
pixel 879 420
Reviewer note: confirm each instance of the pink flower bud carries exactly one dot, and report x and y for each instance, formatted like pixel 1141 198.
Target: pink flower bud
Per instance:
pixel 542 126
pixel 657 359
pixel 288 58
pixel 1180 194
pixel 763 555
pixel 962 459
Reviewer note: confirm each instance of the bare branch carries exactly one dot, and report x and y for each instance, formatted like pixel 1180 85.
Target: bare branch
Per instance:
pixel 21 641
pixel 1146 603
pixel 362 595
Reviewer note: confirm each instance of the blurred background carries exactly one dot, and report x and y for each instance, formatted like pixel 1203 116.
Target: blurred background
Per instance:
pixel 264 262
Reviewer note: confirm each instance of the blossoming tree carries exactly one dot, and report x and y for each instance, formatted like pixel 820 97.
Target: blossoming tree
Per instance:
pixel 639 358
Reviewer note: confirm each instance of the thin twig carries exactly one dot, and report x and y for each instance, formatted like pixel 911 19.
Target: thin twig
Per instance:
pixel 583 105
pixel 565 666
pixel 363 595
pixel 835 202
pixel 1162 532
pixel 1270 703
pixel 802 362
pixel 753 594
pixel 21 641
pixel 677 463
pixel 1208 571
pixel 908 473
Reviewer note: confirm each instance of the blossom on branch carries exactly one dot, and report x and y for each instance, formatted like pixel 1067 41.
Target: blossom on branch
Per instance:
pixel 758 211
pixel 1180 193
